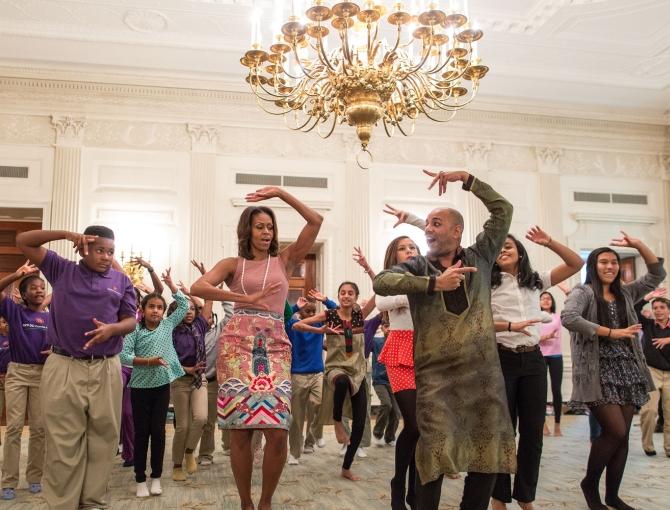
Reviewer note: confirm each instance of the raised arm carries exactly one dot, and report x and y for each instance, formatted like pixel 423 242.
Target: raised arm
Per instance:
pixel 405 217
pixel 206 310
pixel 30 243
pixel 155 280
pixel 24 270
pixel 328 303
pixel 491 239
pixel 369 306
pixel 207 286
pixel 295 252
pixel 572 262
pixel 359 258
pixel 655 272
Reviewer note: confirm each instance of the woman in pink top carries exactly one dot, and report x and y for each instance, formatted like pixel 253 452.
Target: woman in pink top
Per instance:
pixel 550 345
pixel 254 363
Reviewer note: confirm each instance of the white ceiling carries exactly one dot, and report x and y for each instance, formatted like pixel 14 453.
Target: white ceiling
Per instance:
pixel 596 55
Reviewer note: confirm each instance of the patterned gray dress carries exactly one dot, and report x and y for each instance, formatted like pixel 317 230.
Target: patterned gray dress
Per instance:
pixel 621 381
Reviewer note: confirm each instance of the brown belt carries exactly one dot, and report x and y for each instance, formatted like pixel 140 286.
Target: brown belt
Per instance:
pixel 520 348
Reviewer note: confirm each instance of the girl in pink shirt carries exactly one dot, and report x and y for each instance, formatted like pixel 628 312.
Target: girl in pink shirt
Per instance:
pixel 550 345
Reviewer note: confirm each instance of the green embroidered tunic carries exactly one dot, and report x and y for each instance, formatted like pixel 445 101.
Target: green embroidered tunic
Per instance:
pixel 462 412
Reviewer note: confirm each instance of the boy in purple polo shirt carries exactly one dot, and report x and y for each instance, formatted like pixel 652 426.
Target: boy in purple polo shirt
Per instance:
pixel 4 360
pixel 92 308
pixel 27 353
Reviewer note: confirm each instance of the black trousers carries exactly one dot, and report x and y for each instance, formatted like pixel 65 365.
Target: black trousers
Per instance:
pixel 359 409
pixel 150 406
pixel 555 367
pixel 525 376
pixel 476 492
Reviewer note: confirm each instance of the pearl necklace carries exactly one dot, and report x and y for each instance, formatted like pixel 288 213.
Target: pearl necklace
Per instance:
pixel 265 277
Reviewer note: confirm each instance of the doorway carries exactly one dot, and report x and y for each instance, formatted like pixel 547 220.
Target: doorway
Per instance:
pixel 13 221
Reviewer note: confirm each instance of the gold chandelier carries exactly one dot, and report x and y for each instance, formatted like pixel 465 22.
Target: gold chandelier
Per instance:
pixel 430 66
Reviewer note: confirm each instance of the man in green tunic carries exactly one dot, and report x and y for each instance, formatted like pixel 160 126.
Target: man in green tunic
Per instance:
pixel 461 405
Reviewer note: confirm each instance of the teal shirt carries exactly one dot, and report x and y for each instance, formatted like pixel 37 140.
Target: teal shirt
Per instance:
pixel 144 343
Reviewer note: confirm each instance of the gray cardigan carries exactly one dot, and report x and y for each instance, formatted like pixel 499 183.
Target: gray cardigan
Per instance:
pixel 580 317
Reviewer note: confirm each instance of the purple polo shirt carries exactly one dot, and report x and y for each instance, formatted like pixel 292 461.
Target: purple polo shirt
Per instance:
pixel 4 354
pixel 27 332
pixel 79 296
pixel 184 338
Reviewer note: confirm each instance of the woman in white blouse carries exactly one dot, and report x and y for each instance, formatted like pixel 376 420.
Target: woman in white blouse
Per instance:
pixel 515 302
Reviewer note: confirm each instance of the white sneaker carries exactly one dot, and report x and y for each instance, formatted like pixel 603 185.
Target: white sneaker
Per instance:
pixel 156 489
pixel 321 443
pixel 378 441
pixel 308 449
pixel 142 490
pixel 292 461
pixel 205 461
pixel 343 450
pixel 226 452
pixel 391 443
pixel 361 453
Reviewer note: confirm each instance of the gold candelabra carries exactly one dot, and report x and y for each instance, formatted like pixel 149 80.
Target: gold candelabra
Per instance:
pixel 134 270
pixel 431 67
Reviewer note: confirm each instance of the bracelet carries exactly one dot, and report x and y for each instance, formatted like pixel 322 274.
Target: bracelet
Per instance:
pixel 509 326
pixel 609 333
pixel 548 242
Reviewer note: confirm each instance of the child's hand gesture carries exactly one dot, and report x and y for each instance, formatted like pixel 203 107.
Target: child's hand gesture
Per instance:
pixel 167 280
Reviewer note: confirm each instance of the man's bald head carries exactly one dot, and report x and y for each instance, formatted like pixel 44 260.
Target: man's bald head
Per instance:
pixel 444 230
pixel 452 216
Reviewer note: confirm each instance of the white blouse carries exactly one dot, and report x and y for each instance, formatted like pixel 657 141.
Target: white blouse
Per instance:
pixel 398 309
pixel 512 303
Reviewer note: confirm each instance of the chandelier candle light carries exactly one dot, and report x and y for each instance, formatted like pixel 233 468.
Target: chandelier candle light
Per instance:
pixel 430 67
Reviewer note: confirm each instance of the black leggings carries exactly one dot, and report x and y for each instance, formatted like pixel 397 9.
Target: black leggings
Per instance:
pixel 359 409
pixel 150 406
pixel 477 491
pixel 555 367
pixel 609 450
pixel 404 451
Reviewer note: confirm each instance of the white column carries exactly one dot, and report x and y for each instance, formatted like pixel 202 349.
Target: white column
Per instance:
pixel 550 210
pixel 65 214
pixel 475 213
pixel 666 195
pixel 204 238
pixel 357 218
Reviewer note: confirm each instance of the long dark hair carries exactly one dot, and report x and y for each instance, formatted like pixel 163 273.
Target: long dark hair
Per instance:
pixel 244 227
pixel 391 256
pixel 525 276
pixel 145 302
pixel 593 280
pixel 552 308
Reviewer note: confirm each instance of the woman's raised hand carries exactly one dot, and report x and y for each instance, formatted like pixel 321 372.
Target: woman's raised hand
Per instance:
pixel 538 236
pixel 398 213
pixel 264 194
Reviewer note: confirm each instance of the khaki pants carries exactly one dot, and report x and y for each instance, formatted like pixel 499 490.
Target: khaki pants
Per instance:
pixel 22 392
pixel 81 405
pixel 305 402
pixel 649 411
pixel 2 397
pixel 207 445
pixel 190 409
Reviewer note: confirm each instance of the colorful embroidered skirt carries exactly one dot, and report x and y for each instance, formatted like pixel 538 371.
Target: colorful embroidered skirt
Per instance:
pixel 254 372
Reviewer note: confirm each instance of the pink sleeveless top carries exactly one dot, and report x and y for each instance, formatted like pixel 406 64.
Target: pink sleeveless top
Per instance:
pixel 254 273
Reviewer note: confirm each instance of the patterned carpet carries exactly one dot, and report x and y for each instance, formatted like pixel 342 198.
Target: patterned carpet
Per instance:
pixel 315 483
